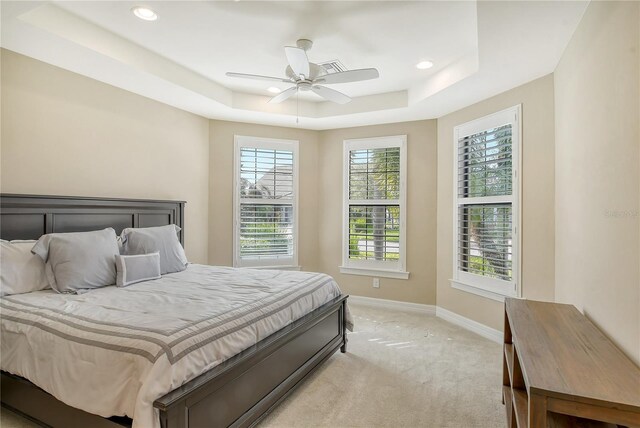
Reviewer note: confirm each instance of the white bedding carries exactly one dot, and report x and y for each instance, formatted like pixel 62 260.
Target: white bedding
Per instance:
pixel 113 351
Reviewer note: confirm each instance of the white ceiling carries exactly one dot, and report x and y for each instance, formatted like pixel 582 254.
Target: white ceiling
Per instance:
pixel 479 50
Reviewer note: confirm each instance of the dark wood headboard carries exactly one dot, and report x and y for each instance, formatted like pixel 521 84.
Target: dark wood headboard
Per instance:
pixel 31 216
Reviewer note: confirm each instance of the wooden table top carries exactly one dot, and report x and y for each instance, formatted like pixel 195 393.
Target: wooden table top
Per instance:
pixel 562 353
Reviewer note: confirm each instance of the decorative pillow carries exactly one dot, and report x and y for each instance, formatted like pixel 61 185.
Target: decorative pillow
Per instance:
pixel 80 260
pixel 162 239
pixel 137 268
pixel 20 270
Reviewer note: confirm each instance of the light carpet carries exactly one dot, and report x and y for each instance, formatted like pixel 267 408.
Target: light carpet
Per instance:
pixel 402 369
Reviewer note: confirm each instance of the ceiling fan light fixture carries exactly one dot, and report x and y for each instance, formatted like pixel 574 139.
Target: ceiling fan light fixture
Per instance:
pixel 144 13
pixel 274 90
pixel 423 65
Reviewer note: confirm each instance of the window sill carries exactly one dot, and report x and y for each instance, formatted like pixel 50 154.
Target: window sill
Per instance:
pixel 276 267
pixel 474 289
pixel 384 273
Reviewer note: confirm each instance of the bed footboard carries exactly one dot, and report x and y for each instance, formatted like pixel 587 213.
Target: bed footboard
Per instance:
pixel 237 393
pixel 245 388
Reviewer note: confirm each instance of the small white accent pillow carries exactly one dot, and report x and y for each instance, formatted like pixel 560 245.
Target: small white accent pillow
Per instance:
pixel 79 261
pixel 20 270
pixel 137 268
pixel 161 239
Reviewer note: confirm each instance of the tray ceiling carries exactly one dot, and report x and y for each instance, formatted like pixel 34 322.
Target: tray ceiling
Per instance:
pixel 479 49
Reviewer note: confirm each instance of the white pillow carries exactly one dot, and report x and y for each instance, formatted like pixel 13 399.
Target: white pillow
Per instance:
pixel 20 270
pixel 137 268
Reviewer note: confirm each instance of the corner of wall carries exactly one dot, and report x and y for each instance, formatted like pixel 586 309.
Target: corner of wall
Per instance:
pixel 598 171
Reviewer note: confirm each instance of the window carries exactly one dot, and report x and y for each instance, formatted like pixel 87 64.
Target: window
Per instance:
pixel 265 202
pixel 486 211
pixel 374 207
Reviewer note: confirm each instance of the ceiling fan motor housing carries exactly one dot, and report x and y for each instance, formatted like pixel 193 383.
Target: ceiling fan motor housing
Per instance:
pixel 315 71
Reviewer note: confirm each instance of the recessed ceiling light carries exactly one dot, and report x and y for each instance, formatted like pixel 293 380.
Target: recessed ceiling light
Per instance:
pixel 423 65
pixel 274 90
pixel 144 13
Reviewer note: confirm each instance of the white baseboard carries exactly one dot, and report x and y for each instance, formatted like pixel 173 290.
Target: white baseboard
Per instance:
pixel 469 324
pixel 457 319
pixel 394 304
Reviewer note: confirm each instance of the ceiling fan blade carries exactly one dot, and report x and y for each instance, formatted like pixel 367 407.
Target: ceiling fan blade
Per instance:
pixel 297 60
pixel 258 77
pixel 331 94
pixel 283 95
pixel 350 76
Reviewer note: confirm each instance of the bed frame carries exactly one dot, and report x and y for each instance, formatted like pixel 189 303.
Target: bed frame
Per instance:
pixel 237 393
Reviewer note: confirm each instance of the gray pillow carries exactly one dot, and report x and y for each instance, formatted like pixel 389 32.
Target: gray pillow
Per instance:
pixel 137 268
pixel 162 239
pixel 79 260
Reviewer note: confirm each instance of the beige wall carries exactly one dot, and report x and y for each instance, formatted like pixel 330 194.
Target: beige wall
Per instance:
pixel 221 136
pixel 597 171
pixel 421 212
pixel 537 229
pixel 64 134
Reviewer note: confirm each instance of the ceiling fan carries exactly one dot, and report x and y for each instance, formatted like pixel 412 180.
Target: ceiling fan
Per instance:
pixel 307 76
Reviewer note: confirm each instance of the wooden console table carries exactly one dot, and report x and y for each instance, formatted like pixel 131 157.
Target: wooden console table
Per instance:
pixel 559 370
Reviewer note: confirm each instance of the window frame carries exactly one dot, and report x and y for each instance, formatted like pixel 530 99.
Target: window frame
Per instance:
pixel 492 288
pixel 243 141
pixel 375 267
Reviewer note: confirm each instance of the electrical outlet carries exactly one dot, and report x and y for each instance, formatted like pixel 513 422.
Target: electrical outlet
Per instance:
pixel 376 282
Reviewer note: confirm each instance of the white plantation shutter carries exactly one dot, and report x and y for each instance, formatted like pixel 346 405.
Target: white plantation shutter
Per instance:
pixel 374 203
pixel 266 184
pixel 486 250
pixel 484 163
pixel 266 173
pixel 485 241
pixel 374 173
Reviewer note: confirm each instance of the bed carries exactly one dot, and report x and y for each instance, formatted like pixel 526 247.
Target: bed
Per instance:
pixel 237 387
